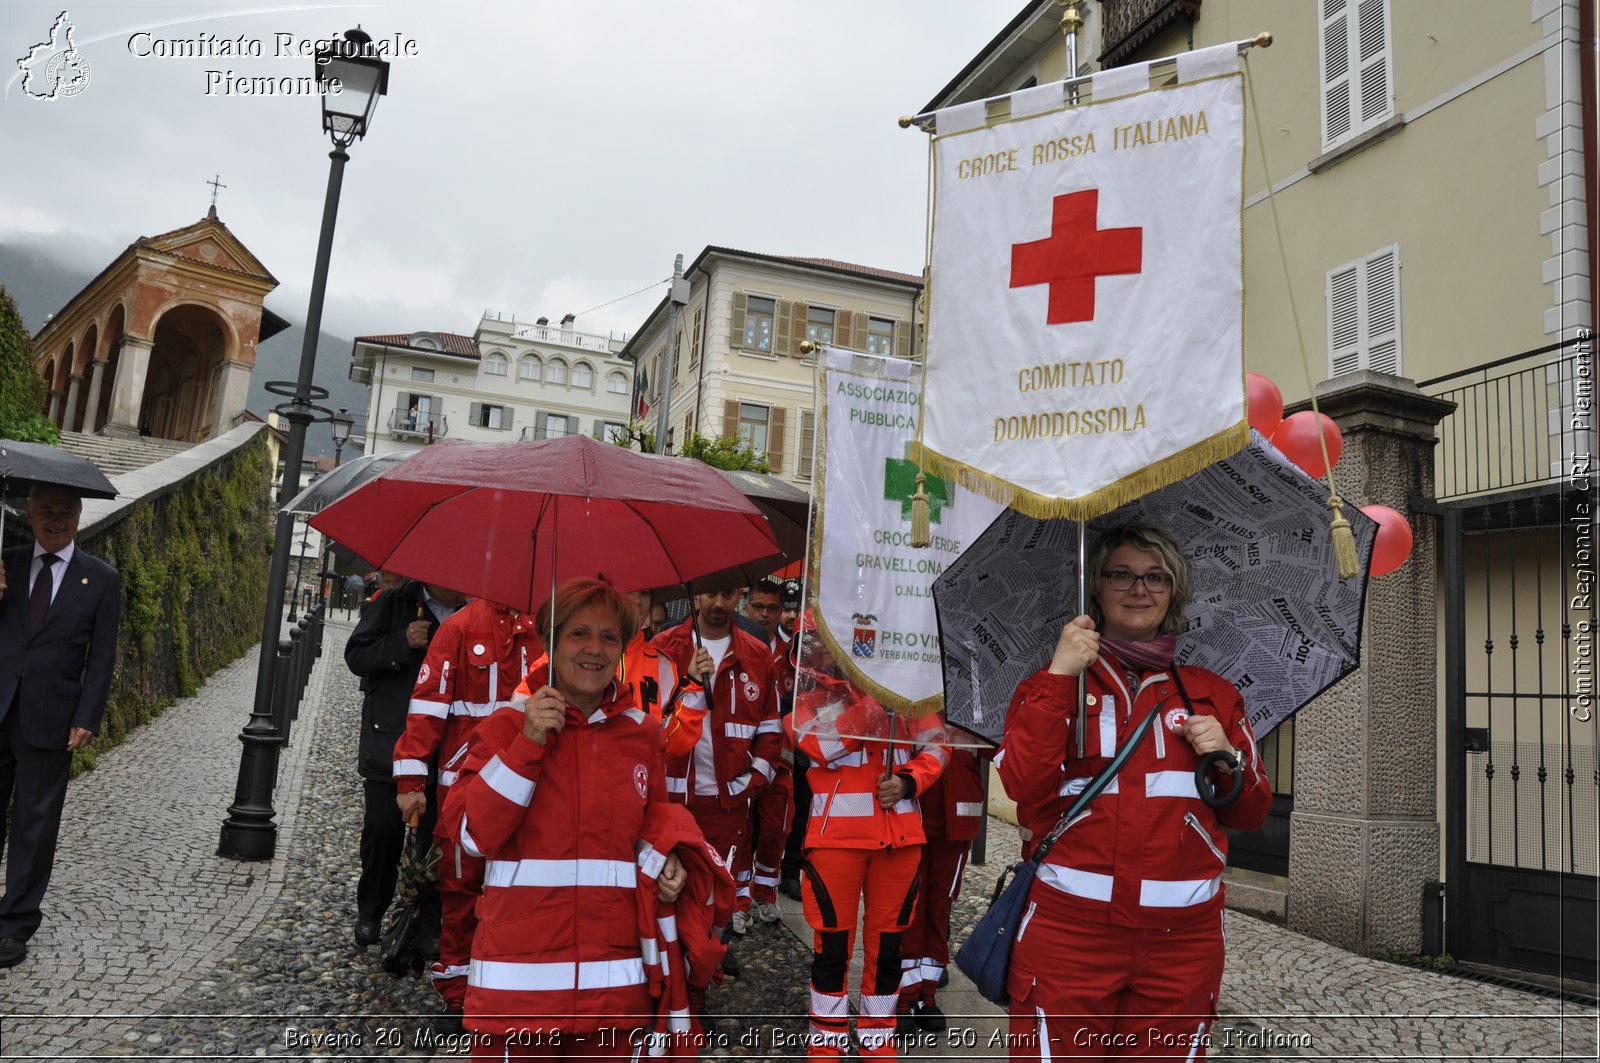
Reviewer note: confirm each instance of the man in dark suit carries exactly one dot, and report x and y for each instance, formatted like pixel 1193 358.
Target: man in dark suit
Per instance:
pixel 58 645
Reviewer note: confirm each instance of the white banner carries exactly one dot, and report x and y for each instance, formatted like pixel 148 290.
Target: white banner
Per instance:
pixel 873 598
pixel 1085 329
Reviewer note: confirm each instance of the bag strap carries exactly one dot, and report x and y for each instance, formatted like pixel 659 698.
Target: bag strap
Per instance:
pixel 1099 782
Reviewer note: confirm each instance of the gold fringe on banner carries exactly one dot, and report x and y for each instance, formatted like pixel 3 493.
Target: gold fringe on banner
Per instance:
pixel 1153 477
pixel 844 659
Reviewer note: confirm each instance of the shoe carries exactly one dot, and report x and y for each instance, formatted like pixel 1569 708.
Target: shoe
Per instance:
pixel 905 1025
pixel 448 1021
pixel 12 951
pixel 944 977
pixel 367 932
pixel 730 965
pixel 768 912
pixel 740 923
pixel 928 1016
pixel 789 886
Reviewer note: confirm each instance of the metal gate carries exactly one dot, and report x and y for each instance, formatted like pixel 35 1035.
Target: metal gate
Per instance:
pixel 1522 787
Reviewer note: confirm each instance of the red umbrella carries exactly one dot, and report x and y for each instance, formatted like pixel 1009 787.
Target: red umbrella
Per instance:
pixel 504 521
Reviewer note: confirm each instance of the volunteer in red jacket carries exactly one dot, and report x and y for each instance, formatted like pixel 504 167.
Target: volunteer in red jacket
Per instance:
pixel 952 816
pixel 558 971
pixel 863 846
pixel 474 662
pixel 741 742
pixel 1120 953
pixel 773 810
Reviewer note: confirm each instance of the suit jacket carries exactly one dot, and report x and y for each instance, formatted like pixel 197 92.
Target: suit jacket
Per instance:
pixel 59 677
pixel 377 652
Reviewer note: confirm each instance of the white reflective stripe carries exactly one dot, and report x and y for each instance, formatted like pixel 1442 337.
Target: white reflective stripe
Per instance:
pixel 422 707
pixel 909 976
pixel 650 859
pixel 737 786
pixel 1045 1055
pixel 739 730
pixel 650 952
pixel 589 974
pixel 843 804
pixel 1074 787
pixel 901 755
pixel 410 767
pixel 678 1021
pixel 879 1005
pixel 1151 679
pixel 677 784
pixel 618 874
pixel 969 808
pixel 955 879
pixel 854 759
pixel 669 927
pixel 476 709
pixel 908 805
pixel 931 969
pixel 760 764
pixel 769 727
pixel 636 715
pixel 820 1038
pixel 1022 928
pixel 460 753
pixel 1108 726
pixel 873 1038
pixel 998 758
pixel 507 783
pixel 439 974
pixel 1078 883
pixel 466 840
pixel 829 1006
pixel 1170 784
pixel 1194 1045
pixel 448 778
pixel 1161 741
pixel 765 878
pixel 1177 893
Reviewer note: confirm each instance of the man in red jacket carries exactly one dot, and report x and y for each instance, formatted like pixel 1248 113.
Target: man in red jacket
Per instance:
pixel 741 742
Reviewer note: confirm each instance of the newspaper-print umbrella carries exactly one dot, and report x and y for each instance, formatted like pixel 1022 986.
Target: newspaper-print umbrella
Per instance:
pixel 401 943
pixel 1269 614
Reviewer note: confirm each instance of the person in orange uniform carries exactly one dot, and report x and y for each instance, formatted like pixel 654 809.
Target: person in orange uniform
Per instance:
pixel 741 743
pixel 863 844
pixel 952 817
pixel 659 689
pixel 474 662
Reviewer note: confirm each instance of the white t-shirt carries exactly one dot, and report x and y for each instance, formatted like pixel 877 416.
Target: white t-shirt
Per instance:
pixel 705 765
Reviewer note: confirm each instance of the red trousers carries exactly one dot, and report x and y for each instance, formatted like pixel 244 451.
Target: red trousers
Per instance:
pixel 622 1046
pixel 727 829
pixel 925 950
pixel 837 882
pixel 774 812
pixel 460 885
pixel 1090 990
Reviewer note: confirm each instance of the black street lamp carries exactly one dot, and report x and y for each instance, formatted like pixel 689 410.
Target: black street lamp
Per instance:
pixel 340 425
pixel 352 78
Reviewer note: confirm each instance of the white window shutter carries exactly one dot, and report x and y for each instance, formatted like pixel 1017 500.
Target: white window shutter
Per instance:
pixel 1344 320
pixel 1373 58
pixel 1336 72
pixel 475 415
pixel 1382 318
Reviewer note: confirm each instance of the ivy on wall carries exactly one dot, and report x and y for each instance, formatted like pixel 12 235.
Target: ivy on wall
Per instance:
pixel 194 587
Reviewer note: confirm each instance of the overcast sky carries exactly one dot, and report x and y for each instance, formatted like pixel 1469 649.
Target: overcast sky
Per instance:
pixel 535 157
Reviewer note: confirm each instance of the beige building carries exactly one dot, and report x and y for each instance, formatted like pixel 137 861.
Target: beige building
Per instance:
pixel 510 380
pixel 738 368
pixel 1428 161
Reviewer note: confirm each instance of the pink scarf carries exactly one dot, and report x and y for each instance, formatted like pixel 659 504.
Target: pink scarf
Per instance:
pixel 1141 658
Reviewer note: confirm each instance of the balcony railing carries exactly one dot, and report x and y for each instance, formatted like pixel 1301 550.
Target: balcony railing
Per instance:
pixel 403 424
pixel 569 337
pixel 1517 422
pixel 529 432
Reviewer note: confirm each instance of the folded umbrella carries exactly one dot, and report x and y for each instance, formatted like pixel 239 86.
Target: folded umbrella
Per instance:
pixel 1269 613
pixel 506 521
pixel 401 944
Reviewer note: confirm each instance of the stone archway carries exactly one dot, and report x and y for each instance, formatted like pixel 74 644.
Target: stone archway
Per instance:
pixel 78 383
pixel 191 344
pixel 49 389
pixel 104 370
pixel 58 385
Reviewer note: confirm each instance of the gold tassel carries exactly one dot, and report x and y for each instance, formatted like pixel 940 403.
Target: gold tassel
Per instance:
pixel 921 532
pixel 1344 540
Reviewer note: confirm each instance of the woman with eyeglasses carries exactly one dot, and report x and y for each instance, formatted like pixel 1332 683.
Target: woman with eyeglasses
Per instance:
pixel 1120 952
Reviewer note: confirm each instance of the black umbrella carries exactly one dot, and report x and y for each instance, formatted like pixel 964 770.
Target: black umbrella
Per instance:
pixel 328 489
pixel 24 465
pixel 787 509
pixel 401 943
pixel 1269 613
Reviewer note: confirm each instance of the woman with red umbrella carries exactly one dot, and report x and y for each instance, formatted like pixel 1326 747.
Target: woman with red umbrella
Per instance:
pixel 1120 953
pixel 557 968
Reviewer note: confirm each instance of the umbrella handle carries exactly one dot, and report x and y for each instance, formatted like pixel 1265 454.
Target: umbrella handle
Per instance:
pixel 1202 780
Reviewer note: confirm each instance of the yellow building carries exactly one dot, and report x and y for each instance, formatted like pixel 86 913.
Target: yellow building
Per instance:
pixel 1428 161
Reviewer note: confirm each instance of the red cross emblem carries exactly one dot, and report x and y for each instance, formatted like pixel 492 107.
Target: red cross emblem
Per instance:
pixel 1073 255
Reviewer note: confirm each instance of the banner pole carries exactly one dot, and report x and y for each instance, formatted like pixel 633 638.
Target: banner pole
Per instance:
pixel 1083 608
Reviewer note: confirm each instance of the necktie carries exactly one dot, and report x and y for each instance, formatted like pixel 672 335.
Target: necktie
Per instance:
pixel 39 599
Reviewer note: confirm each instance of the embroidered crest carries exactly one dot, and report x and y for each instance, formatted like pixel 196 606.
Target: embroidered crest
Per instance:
pixel 751 691
pixel 641 780
pixel 424 672
pixel 1174 719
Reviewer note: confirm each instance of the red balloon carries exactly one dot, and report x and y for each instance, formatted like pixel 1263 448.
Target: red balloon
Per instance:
pixel 1297 438
pixel 1393 544
pixel 1264 402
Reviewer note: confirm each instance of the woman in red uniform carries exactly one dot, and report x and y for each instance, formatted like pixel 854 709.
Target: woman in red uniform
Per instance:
pixel 1120 952
pixel 557 967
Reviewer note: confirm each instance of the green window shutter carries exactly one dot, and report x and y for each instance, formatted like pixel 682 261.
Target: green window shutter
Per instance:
pixel 737 339
pixel 841 328
pixel 902 339
pixel 798 312
pixel 784 336
pixel 730 418
pixel 858 336
pixel 808 443
pixel 775 432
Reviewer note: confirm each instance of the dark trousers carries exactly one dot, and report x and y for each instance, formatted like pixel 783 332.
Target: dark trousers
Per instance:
pixel 794 854
pixel 37 780
pixel 383 836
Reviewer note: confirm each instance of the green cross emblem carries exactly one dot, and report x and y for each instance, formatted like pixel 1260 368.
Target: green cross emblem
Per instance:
pixel 900 483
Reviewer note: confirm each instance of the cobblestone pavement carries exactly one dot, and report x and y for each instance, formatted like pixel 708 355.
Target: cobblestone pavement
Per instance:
pixel 154 947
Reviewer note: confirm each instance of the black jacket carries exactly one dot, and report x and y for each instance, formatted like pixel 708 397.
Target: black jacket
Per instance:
pixel 59 675
pixel 377 652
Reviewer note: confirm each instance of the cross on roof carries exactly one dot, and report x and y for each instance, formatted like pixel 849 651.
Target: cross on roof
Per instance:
pixel 216 184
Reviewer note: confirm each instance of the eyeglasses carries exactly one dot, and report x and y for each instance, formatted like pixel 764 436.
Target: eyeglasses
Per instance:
pixel 1155 581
